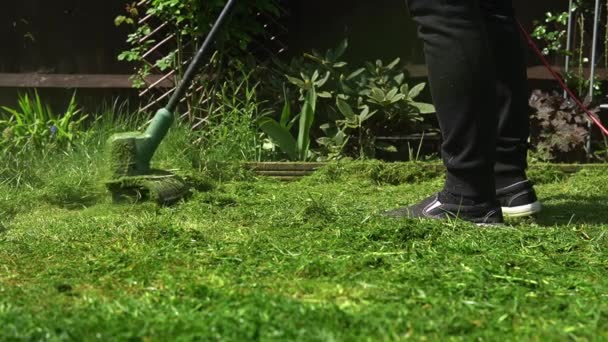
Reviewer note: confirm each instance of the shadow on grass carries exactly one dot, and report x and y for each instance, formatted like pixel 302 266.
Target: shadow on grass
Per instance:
pixel 573 209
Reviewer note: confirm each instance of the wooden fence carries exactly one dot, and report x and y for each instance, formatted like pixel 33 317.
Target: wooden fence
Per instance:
pixel 74 43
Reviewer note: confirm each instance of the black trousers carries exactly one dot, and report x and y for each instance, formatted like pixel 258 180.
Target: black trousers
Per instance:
pixel 478 82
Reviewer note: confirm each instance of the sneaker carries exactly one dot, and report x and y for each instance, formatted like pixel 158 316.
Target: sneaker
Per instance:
pixel 518 200
pixel 486 213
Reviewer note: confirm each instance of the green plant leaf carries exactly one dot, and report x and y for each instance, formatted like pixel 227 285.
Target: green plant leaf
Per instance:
pixel 377 95
pixel 345 109
pixel 399 79
pixel 306 121
pixel 366 114
pixel 384 146
pixel 296 81
pixel 355 74
pixel 424 108
pixel 393 64
pixel 280 135
pixel 286 113
pixel 392 94
pixel 416 91
pixel 322 81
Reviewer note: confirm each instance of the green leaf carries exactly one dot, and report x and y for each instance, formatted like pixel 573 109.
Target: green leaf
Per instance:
pixel 391 94
pixel 325 141
pixel 311 97
pixel 377 95
pixel 280 135
pixel 328 128
pixel 286 113
pixel 424 108
pixel 345 109
pixel 119 20
pixel 399 79
pixel 393 64
pixel 355 74
pixel 322 81
pixel 296 81
pixel 405 89
pixel 340 49
pixel 385 146
pixel 315 76
pixel 306 120
pixel 416 91
pixel 366 114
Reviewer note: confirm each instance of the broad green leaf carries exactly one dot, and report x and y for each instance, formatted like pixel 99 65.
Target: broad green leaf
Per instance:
pixel 391 94
pixel 378 95
pixel 314 58
pixel 424 108
pixel 397 98
pixel 345 109
pixel 366 114
pixel 328 128
pixel 306 121
pixel 307 117
pixel 325 141
pixel 393 63
pixel 322 81
pixel 296 81
pixel 385 146
pixel 315 76
pixel 281 136
pixel 416 91
pixel 399 79
pixel 286 113
pixel 311 97
pixel 355 74
pixel 405 89
pixel 341 138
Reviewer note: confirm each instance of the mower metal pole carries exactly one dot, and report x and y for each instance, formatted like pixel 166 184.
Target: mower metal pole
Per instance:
pixel 163 119
pixel 596 25
pixel 568 42
pixel 184 84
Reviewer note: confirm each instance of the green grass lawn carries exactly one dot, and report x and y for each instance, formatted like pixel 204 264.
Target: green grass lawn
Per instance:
pixel 308 260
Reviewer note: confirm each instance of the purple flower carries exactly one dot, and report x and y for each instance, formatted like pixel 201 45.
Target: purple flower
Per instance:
pixel 53 130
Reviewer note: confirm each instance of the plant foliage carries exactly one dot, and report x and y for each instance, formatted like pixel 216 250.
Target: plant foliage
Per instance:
pixel 356 104
pixel 35 124
pixel 190 21
pixel 561 127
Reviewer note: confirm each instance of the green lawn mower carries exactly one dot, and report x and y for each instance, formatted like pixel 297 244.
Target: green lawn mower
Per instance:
pixel 132 178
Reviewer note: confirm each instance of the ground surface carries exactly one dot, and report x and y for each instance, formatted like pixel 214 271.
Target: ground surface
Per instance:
pixel 308 260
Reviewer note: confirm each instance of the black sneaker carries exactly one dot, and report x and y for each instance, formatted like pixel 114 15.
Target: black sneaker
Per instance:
pixel 518 200
pixel 481 213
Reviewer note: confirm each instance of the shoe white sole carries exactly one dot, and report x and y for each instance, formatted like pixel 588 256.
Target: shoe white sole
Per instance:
pixel 522 210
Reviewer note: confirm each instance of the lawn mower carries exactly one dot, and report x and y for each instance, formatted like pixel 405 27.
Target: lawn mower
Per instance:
pixel 132 179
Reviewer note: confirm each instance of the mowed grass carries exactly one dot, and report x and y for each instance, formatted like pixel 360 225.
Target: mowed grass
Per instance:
pixel 257 259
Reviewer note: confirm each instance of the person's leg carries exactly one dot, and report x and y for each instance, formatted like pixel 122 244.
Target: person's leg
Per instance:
pixel 461 78
pixel 462 83
pixel 514 191
pixel 511 89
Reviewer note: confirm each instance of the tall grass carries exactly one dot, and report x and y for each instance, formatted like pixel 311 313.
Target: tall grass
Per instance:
pixel 223 120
